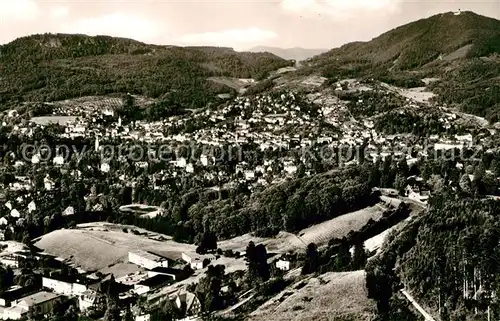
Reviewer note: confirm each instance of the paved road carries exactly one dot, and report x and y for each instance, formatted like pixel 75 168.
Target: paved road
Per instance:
pixel 417 306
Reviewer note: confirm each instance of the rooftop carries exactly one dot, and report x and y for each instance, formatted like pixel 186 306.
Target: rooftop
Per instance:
pixel 38 298
pixel 150 256
pixel 156 280
pixel 167 270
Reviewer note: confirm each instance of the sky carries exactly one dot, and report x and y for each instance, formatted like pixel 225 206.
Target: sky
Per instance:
pixel 240 24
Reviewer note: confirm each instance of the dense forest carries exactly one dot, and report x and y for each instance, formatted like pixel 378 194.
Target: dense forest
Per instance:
pixel 456 243
pixel 54 67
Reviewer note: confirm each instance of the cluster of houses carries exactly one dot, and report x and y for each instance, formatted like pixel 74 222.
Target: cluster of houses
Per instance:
pixel 89 290
pixel 279 123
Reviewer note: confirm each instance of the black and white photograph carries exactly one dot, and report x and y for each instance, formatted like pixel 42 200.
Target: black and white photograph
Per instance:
pixel 249 160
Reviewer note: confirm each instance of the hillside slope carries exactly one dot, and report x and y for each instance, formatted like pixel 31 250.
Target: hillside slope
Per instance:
pixel 461 50
pixel 330 297
pixel 420 42
pixel 295 53
pixel 60 66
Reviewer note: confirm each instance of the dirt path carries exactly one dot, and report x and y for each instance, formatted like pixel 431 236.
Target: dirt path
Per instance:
pixel 417 306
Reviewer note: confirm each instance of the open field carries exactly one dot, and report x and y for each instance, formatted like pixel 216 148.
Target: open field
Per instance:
pixel 104 247
pixel 142 210
pixel 12 247
pixel 327 297
pixel 375 243
pixel 45 120
pixel 101 248
pixel 101 102
pixel 341 226
pixel 319 234
pixel 419 94
pixel 235 83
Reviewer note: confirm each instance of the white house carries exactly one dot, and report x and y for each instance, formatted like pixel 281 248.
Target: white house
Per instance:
pixel 88 300
pixel 48 184
pixel 35 159
pixel 195 260
pixel 8 205
pixel 108 112
pixel 249 175
pixel 70 210
pixel 3 221
pixel 58 160
pixel 31 207
pixel 283 265
pixel 189 168
pixel 15 213
pixel 181 162
pixel 152 283
pixel 420 196
pixel 105 167
pixel 10 260
pixel 204 160
pixel 64 288
pixel 147 259
pixel 143 317
pixel 190 302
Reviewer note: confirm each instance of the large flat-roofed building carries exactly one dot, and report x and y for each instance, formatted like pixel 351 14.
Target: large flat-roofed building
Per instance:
pixel 147 259
pixel 152 283
pixel 63 287
pixel 39 303
pixel 175 274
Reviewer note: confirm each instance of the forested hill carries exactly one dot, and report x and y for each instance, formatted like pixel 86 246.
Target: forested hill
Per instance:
pixel 459 49
pixel 423 41
pixel 60 66
pixel 451 251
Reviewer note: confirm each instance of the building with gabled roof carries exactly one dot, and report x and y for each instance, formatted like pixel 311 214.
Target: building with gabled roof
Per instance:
pixel 188 303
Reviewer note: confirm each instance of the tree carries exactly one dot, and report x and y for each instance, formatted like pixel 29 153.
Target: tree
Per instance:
pixel 400 184
pixel 311 264
pixel 209 287
pixel 343 258
pixel 465 184
pixel 208 242
pixel 301 171
pixel 359 257
pixel 495 167
pixel 112 311
pixel 436 183
pixel 128 315
pixel 258 268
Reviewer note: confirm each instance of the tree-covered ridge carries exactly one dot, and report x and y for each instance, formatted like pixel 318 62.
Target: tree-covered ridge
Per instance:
pixel 53 67
pixel 474 85
pixel 461 50
pixel 420 42
pixel 448 258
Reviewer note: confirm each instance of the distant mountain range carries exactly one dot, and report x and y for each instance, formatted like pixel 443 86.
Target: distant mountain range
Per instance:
pixel 295 53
